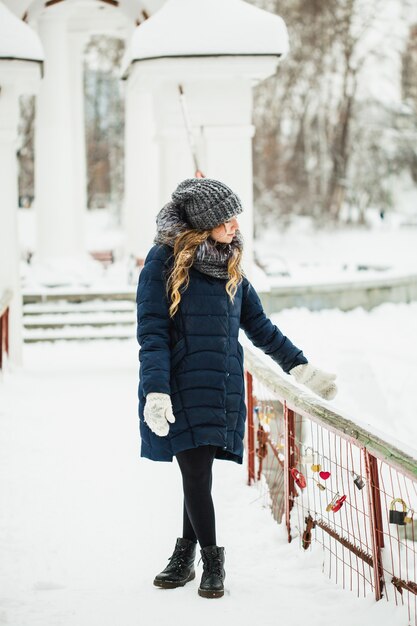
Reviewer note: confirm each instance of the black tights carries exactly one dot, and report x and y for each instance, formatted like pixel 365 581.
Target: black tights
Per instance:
pixel 198 510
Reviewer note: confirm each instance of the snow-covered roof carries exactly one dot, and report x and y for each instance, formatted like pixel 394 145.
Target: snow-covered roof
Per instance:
pixel 209 27
pixel 133 9
pixel 17 39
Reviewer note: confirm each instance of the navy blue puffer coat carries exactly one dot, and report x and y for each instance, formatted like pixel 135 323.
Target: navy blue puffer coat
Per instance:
pixel 197 359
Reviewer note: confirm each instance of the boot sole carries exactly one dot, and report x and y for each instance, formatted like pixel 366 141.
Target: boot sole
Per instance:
pixel 205 593
pixel 172 584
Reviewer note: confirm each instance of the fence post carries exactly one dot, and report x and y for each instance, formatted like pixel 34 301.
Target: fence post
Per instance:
pixel 289 488
pixel 250 428
pixel 6 331
pixel 375 517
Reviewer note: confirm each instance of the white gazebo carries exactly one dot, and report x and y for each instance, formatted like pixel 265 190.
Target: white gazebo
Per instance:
pixel 216 50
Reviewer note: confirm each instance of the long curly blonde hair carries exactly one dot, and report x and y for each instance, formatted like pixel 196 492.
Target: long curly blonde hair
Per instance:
pixel 185 247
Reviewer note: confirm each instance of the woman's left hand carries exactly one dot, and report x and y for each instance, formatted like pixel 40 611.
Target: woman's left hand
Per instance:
pixel 315 379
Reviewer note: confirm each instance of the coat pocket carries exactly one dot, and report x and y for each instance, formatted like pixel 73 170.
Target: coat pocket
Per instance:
pixel 178 352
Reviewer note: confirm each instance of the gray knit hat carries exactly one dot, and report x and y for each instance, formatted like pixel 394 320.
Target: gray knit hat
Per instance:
pixel 206 202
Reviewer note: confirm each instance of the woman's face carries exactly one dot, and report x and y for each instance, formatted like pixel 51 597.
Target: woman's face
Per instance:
pixel 226 231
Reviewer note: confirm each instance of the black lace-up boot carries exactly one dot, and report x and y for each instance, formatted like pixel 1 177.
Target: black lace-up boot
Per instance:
pixel 180 568
pixel 211 585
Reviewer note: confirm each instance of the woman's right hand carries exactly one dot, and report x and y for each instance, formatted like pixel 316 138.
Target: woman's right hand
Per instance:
pixel 158 412
pixel 322 383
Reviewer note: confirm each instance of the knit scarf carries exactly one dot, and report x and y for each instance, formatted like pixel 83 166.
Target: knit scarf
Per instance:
pixel 211 256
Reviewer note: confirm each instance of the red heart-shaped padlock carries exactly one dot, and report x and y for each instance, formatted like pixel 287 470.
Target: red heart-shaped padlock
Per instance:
pixel 298 477
pixel 324 475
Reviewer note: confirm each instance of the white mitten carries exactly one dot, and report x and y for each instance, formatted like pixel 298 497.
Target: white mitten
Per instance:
pixel 315 379
pixel 158 412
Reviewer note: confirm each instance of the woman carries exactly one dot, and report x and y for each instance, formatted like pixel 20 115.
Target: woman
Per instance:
pixel 192 299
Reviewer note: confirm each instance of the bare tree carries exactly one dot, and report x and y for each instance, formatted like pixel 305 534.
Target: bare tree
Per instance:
pixel 25 151
pixel 104 105
pixel 310 117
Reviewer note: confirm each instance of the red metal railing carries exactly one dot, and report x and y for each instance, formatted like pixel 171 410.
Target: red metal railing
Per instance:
pixel 336 485
pixel 5 300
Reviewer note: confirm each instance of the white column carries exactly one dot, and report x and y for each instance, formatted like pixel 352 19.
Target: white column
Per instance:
pixel 228 157
pixel 77 43
pixel 57 201
pixel 9 242
pixel 176 162
pixel 141 172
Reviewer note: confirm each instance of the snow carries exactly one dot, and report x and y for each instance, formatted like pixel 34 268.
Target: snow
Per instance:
pixel 205 27
pixel 17 39
pixel 96 319
pixel 300 255
pixel 85 524
pixel 87 290
pixel 95 306
pixel 373 355
pixel 70 275
pixel 84 332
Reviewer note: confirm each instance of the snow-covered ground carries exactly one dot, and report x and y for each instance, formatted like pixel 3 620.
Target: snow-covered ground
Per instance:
pixel 85 523
pixel 302 255
pixel 374 355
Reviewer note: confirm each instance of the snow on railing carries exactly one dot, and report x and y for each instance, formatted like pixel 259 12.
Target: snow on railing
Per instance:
pixel 5 300
pixel 336 484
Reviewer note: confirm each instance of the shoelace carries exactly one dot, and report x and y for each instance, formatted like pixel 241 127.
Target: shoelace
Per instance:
pixel 178 559
pixel 212 566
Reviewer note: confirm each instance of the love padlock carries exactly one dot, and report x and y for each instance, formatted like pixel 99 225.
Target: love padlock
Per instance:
pixel 358 481
pixel 324 475
pixel 298 477
pixel 333 501
pixel 395 516
pixel 320 486
pixel 315 466
pixel 267 413
pixel 307 457
pixel 338 504
pixel 408 519
pixel 262 414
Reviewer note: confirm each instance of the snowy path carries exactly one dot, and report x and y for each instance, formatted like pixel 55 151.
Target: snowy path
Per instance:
pixel 85 523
